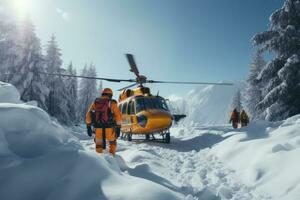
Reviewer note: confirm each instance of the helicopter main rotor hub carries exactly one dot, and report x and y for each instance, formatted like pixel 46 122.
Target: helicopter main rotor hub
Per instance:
pixel 141 79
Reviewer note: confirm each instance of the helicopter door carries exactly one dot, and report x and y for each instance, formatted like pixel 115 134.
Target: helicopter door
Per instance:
pixel 131 114
pixel 123 112
pixel 125 117
pixel 131 111
pixel 124 108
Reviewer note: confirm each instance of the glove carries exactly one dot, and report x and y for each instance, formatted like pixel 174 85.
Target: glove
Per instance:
pixel 89 130
pixel 118 131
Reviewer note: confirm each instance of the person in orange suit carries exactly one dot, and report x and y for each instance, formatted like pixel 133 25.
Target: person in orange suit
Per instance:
pixel 104 117
pixel 235 118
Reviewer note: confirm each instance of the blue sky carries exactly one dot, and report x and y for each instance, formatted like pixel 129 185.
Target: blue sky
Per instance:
pixel 181 40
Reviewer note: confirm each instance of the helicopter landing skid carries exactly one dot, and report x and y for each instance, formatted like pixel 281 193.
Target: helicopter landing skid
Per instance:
pixel 165 137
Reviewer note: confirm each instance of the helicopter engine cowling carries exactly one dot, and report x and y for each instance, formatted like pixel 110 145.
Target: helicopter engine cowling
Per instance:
pixel 128 93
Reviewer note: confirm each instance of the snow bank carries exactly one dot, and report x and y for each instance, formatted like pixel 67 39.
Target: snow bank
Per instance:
pixel 266 156
pixel 9 93
pixel 39 159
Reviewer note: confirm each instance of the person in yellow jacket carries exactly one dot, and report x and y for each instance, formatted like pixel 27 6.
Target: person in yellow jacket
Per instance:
pixel 105 118
pixel 234 118
pixel 244 118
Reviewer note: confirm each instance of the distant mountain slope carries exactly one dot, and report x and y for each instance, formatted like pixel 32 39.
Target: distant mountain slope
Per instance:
pixel 206 105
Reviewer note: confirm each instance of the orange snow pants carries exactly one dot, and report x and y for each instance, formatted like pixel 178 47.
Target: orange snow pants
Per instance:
pixel 110 139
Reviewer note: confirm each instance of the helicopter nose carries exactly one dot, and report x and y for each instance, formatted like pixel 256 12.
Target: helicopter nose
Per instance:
pixel 158 120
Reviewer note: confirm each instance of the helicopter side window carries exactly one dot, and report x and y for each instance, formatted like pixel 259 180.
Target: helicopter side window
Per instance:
pixel 164 104
pixel 139 105
pixel 133 108
pixel 124 108
pixel 129 108
pixel 151 103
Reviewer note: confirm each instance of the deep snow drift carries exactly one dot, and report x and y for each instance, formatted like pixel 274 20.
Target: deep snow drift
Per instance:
pixel 266 156
pixel 40 160
pixel 205 105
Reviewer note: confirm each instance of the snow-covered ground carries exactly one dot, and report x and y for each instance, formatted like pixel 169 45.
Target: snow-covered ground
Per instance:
pixel 215 162
pixel 39 159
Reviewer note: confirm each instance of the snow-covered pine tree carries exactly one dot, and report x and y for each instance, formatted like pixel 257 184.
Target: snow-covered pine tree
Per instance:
pixel 94 93
pixel 82 95
pixel 58 96
pixel 72 87
pixel 237 101
pixel 87 90
pixel 8 46
pixel 25 74
pixel 282 75
pixel 253 89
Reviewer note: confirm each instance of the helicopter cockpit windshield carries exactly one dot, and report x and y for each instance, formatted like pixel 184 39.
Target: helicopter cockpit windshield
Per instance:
pixel 151 103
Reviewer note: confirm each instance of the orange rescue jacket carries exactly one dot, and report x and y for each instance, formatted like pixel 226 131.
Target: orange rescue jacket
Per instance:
pixel 114 108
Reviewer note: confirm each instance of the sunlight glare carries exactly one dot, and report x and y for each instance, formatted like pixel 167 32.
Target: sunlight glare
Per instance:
pixel 22 7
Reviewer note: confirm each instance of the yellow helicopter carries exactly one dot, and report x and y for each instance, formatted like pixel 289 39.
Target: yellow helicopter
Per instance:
pixel 143 113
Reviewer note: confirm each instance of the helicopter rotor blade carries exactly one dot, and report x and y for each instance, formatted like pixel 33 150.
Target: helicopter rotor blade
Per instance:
pixel 90 77
pixel 133 67
pixel 190 82
pixel 129 86
pixel 134 81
